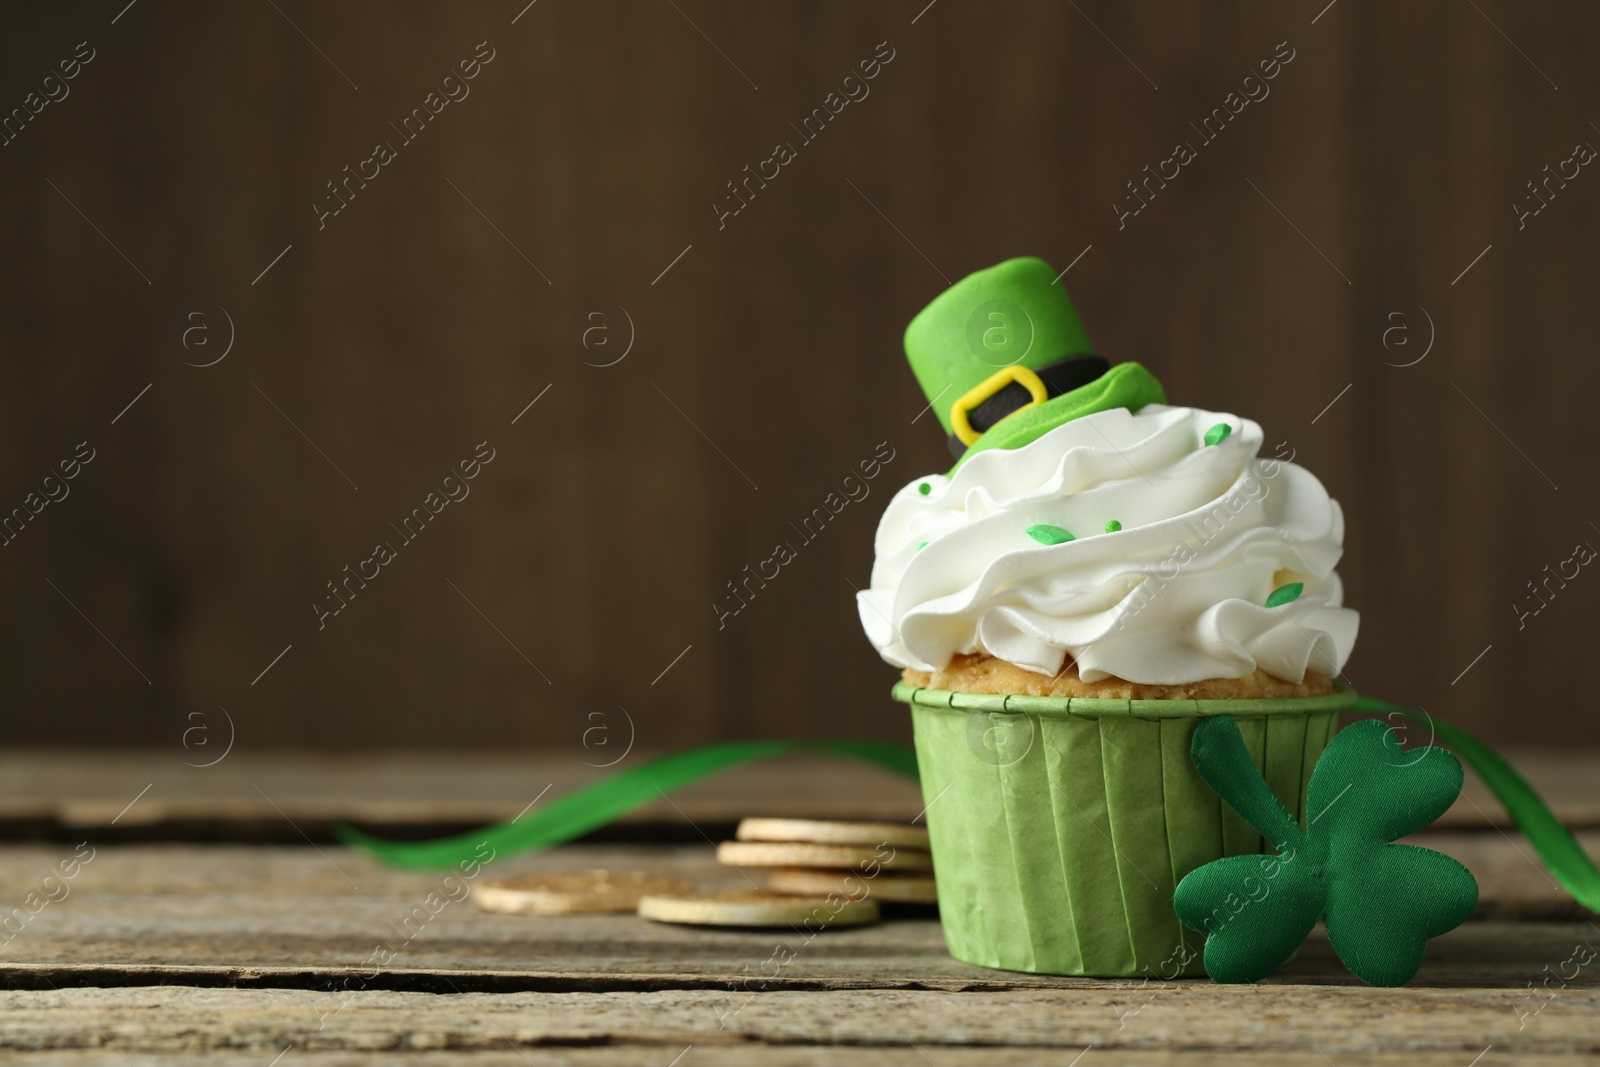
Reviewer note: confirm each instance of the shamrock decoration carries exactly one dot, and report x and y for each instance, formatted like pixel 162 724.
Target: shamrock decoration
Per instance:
pixel 1380 901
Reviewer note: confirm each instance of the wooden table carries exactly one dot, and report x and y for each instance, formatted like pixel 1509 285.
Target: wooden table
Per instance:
pixel 177 944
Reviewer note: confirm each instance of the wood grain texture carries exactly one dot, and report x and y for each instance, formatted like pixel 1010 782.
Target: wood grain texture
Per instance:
pixel 299 915
pixel 778 1055
pixel 383 346
pixel 253 795
pixel 256 795
pixel 173 953
pixel 1198 1018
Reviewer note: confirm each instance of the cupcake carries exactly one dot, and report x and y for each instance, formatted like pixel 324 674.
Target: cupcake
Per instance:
pixel 1098 571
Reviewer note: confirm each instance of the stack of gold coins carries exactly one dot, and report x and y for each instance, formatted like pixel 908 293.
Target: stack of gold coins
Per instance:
pixel 860 861
pixel 819 874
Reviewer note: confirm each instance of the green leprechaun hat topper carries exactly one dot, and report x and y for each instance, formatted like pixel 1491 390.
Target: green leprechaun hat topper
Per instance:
pixel 1003 359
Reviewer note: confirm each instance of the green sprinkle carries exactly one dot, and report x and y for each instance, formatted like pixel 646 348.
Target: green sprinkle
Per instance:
pixel 1113 526
pixel 1049 535
pixel 924 488
pixel 922 546
pixel 1218 433
pixel 1284 594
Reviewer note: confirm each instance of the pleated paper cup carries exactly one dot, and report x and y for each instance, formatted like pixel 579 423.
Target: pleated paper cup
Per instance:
pixel 1060 826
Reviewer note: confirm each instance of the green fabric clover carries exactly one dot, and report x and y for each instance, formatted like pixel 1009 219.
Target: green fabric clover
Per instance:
pixel 1381 902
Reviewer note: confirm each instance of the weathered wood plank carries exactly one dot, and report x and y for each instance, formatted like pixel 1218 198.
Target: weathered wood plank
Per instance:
pixel 769 1056
pixel 232 954
pixel 896 955
pixel 269 795
pixel 251 795
pixel 906 955
pixel 289 916
pixel 1188 1016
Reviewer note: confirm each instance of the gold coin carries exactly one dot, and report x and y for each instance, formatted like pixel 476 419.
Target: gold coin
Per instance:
pixel 744 907
pixel 819 832
pixel 801 854
pixel 887 887
pixel 574 893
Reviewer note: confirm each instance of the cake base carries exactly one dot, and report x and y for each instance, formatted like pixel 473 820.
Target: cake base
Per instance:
pixel 1061 827
pixel 985 674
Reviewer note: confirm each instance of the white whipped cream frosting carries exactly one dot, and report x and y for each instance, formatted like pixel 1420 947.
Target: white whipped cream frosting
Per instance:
pixel 1176 595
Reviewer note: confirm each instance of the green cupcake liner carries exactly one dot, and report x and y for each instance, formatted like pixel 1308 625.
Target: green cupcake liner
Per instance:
pixel 1061 826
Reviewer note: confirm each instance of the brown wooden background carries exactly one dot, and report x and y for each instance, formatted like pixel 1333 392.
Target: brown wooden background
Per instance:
pixel 409 329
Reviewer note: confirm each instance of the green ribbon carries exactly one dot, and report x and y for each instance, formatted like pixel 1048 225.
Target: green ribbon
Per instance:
pixel 1554 843
pixel 593 806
